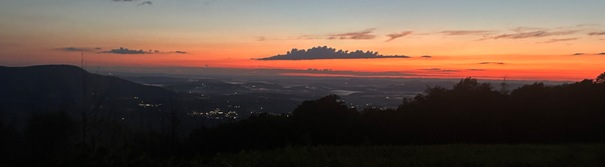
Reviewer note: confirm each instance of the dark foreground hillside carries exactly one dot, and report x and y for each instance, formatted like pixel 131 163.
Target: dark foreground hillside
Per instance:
pixel 455 155
pixel 560 125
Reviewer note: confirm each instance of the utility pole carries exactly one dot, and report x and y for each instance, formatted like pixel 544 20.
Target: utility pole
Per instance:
pixel 82 59
pixel 84 108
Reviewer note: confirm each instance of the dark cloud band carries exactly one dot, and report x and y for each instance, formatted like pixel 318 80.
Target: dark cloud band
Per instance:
pixel 324 52
pixel 123 50
pixel 78 49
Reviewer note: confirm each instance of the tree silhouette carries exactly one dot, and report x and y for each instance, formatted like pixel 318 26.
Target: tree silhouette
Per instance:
pixel 327 121
pixel 600 78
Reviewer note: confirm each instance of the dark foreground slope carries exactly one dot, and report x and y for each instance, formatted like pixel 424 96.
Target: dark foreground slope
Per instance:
pixel 454 155
pixel 560 116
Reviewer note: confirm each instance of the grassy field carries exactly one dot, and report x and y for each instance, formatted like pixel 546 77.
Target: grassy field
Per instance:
pixel 580 155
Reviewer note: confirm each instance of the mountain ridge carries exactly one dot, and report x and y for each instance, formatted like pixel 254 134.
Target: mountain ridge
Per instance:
pixel 64 88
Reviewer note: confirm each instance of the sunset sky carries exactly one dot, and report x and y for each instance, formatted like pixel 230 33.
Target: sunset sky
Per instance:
pixel 519 39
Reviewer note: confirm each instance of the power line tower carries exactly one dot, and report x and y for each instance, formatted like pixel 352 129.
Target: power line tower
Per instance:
pixel 504 86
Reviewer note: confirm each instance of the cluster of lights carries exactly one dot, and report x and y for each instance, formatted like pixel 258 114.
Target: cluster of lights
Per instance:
pixel 216 114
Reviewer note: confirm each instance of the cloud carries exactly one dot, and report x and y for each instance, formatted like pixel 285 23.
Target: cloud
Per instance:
pixel 465 32
pixel 359 35
pixel 432 69
pixel 261 38
pixel 439 70
pixel 324 52
pixel 596 33
pixel 139 4
pixel 426 56
pixel 122 50
pixel 307 37
pixel 487 62
pixel 525 29
pixel 580 54
pixel 78 49
pixel 145 3
pixel 72 49
pixel 560 40
pixel 397 35
pixel 533 34
pixel 475 69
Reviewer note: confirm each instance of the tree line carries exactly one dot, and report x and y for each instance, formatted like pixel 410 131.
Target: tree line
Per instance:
pixel 470 112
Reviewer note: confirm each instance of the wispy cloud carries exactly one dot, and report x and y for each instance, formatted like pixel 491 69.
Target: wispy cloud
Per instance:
pixel 308 37
pixel 78 49
pixel 466 32
pixel 582 54
pixel 537 32
pixel 498 63
pixel 560 40
pixel 597 33
pixel 397 35
pixel 131 1
pixel 123 50
pixel 489 62
pixel 145 3
pixel 432 69
pixel 533 34
pixel 139 4
pixel 359 35
pixel 526 29
pixel 261 38
pixel 439 70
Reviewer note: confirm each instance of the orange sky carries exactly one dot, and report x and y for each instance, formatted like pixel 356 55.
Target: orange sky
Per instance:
pixel 495 39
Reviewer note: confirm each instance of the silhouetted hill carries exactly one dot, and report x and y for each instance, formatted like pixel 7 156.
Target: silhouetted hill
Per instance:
pixel 59 88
